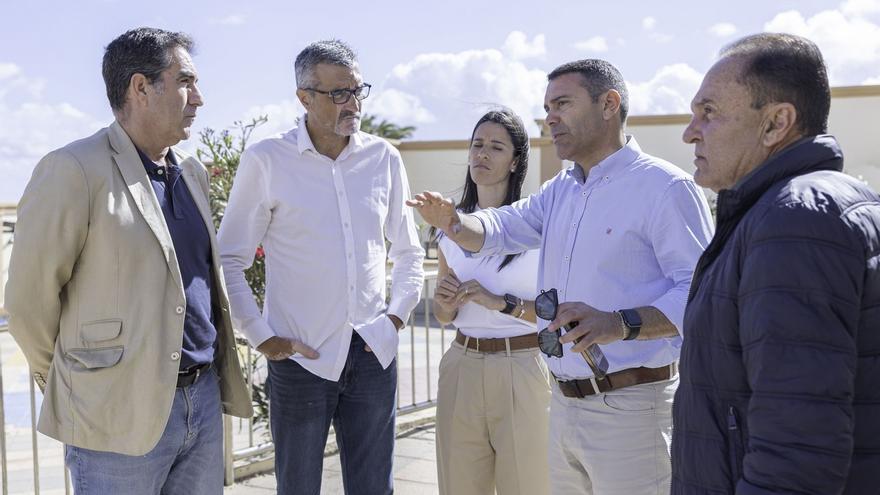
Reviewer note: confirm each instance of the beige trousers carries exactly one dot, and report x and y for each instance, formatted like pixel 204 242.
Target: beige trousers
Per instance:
pixel 616 443
pixel 492 421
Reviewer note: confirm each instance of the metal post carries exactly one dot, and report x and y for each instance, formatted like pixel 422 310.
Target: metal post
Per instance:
pixel 412 355
pixel 228 459
pixel 3 474
pixel 427 345
pixel 250 386
pixel 66 481
pixel 34 433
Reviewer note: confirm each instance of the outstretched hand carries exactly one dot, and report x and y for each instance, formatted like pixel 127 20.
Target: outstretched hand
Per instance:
pixel 438 211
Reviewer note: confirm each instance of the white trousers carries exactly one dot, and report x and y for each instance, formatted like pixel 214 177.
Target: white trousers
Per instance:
pixel 616 443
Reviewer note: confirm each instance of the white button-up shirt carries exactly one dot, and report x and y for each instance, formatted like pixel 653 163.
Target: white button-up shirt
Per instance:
pixel 627 235
pixel 323 224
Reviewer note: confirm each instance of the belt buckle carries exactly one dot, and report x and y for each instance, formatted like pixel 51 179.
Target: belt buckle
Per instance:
pixel 198 373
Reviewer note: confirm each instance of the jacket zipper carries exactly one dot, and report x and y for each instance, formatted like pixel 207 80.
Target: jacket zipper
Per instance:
pixel 734 436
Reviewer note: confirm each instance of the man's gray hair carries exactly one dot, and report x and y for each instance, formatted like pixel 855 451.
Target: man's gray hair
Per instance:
pixel 335 52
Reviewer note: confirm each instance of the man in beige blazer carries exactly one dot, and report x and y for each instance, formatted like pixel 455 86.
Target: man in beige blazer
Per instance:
pixel 115 291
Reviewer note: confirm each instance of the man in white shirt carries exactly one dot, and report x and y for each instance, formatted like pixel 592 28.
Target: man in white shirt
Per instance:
pixel 620 233
pixel 322 199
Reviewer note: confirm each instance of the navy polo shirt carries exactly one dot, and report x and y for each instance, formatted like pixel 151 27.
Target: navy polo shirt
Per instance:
pixel 193 247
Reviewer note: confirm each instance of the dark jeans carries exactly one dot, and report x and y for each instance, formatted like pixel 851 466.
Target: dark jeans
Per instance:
pixel 362 407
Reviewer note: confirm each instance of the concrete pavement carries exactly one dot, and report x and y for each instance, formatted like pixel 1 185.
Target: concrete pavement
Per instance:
pixel 415 469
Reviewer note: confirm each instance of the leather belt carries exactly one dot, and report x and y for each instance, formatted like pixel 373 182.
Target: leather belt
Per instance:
pixel 190 375
pixel 616 380
pixel 518 343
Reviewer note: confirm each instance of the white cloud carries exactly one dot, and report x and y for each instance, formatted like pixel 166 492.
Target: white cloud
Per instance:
pixel 872 80
pixel 457 88
pixel 849 44
pixel 8 70
pixel 722 29
pixel 648 24
pixel 861 7
pixel 31 127
pixel 517 46
pixel 670 90
pixel 229 20
pixel 596 44
pixel 399 107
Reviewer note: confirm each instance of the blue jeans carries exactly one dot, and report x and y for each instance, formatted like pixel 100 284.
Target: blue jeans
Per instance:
pixel 188 459
pixel 362 407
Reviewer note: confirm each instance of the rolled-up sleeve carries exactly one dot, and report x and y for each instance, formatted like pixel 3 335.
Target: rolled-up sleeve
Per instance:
pixel 680 229
pixel 514 228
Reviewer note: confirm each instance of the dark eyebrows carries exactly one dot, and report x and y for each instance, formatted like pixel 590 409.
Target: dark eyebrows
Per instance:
pixel 555 100
pixel 184 73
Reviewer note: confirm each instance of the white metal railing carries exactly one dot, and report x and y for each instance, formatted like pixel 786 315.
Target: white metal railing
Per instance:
pixel 37 462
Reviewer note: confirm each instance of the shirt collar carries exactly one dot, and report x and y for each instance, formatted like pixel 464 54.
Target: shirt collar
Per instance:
pixel 304 141
pixel 611 164
pixel 151 167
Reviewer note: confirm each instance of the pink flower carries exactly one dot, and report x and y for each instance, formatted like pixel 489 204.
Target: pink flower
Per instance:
pixel 215 171
pixel 260 253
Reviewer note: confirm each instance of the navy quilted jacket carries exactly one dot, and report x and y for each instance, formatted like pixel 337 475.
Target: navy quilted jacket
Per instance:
pixel 780 366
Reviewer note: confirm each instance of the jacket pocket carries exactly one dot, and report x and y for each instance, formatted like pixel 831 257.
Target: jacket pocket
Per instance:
pixel 735 450
pixel 104 357
pixel 99 331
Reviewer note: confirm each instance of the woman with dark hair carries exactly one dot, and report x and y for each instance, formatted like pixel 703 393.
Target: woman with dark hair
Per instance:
pixel 494 391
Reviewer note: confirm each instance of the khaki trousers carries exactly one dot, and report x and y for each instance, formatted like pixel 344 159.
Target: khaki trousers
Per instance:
pixel 616 443
pixel 492 422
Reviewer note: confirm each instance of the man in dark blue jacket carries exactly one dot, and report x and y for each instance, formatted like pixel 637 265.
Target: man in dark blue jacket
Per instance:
pixel 780 367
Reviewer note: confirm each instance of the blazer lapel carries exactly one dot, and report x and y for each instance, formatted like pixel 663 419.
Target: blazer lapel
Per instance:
pixel 197 189
pixel 132 170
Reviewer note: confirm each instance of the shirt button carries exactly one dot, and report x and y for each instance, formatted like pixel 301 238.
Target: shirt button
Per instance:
pixel 160 171
pixel 566 258
pixel 175 356
pixel 585 194
pixel 179 310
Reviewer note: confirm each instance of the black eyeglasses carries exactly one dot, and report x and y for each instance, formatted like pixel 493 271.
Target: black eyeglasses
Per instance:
pixel 341 96
pixel 546 305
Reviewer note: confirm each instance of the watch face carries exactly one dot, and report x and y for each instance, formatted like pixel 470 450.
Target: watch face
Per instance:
pixel 631 318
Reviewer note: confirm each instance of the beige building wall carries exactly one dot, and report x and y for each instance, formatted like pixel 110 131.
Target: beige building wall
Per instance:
pixel 850 121
pixel 441 166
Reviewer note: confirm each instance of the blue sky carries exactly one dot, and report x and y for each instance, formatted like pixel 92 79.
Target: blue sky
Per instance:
pixel 434 65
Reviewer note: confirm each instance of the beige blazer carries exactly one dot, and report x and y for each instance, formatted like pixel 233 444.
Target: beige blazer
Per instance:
pixel 95 298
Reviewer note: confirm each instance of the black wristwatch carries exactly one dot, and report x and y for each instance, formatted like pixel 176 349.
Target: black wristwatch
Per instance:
pixel 632 321
pixel 511 302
